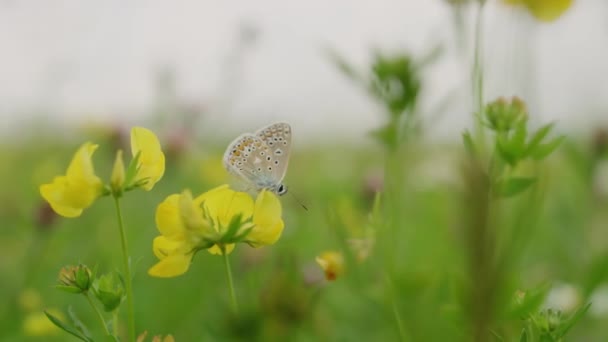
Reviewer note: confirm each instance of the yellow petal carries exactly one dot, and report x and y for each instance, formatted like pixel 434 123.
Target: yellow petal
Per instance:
pixel 268 224
pixel 168 217
pixel 81 165
pixel 548 10
pixel 211 193
pixel 223 203
pixel 164 247
pixel 54 193
pixel 68 195
pixel 192 214
pixel 171 266
pixel 216 250
pixel 332 264
pixel 151 158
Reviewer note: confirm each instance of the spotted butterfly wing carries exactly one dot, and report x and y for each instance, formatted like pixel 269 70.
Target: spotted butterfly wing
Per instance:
pixel 260 159
pixel 278 139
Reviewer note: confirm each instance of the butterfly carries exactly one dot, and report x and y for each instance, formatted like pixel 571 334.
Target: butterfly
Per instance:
pixel 260 159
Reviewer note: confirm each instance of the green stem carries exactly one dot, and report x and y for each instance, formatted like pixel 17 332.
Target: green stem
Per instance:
pixel 103 322
pixel 399 322
pixel 127 267
pixel 235 306
pixel 115 322
pixel 478 78
pixel 398 319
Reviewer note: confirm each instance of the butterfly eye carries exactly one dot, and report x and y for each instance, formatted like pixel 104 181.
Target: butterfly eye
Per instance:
pixel 282 190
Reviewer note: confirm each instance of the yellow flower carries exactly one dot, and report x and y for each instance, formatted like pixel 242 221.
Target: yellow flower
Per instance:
pixel 188 225
pixel 544 10
pixel 38 325
pixel 176 219
pixel 68 195
pixel 151 162
pixel 332 263
pixel 223 204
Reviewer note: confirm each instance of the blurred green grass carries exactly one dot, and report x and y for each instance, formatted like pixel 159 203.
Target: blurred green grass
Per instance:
pixel 282 294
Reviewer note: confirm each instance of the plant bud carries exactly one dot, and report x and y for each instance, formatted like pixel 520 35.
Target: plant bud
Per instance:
pixel 75 279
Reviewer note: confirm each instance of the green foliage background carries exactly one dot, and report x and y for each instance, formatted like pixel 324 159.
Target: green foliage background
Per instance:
pixel 420 271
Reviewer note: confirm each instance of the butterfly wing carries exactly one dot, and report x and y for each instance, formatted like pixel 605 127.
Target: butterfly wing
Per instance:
pixel 277 138
pixel 249 158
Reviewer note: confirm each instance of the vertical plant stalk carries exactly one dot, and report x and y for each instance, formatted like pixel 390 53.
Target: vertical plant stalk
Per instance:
pixel 402 336
pixel 127 267
pixel 478 78
pixel 115 322
pixel 101 319
pixel 391 202
pixel 235 305
pixel 481 210
pixel 395 309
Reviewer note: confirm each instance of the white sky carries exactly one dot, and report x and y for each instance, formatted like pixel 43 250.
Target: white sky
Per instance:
pixel 99 59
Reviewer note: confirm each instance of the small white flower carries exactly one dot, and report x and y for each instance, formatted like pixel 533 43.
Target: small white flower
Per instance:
pixel 599 298
pixel 564 297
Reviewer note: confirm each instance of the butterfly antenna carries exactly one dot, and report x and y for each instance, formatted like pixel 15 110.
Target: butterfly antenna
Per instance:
pixel 299 202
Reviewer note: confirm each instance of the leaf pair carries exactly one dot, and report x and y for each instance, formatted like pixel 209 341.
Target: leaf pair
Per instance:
pixel 514 146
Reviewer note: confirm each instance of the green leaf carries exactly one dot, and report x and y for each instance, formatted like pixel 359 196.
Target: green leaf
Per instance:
pixel 376 212
pixel 518 140
pixel 386 135
pixel 132 170
pixel 68 288
pixel 65 327
pixel 524 335
pixel 538 137
pixel 543 150
pixel 504 150
pixel 78 323
pixel 232 230
pixel 497 336
pixel 469 145
pixel 243 235
pixel 514 186
pixel 529 333
pixel 571 321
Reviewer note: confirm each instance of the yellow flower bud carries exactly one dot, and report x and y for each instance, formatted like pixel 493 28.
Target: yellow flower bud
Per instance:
pixel 117 180
pixel 75 279
pixel 332 263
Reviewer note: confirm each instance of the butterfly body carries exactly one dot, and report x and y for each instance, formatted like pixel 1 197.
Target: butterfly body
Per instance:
pixel 260 159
